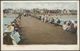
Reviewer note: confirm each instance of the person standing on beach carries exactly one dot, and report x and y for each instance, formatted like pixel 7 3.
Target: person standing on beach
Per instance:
pixel 64 26
pixel 7 35
pixel 42 18
pixel 19 16
pixel 10 28
pixel 52 20
pixel 45 19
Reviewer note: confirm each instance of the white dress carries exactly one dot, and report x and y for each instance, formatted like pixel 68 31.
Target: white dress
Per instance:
pixel 65 27
pixel 15 37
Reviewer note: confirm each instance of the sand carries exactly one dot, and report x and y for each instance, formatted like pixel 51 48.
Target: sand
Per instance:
pixel 37 32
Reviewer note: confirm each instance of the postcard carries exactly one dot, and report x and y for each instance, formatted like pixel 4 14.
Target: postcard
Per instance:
pixel 40 25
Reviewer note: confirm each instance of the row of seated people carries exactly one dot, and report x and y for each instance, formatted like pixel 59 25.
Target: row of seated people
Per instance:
pixel 69 25
pixel 11 33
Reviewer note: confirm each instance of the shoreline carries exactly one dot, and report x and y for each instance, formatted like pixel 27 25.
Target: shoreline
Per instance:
pixel 35 31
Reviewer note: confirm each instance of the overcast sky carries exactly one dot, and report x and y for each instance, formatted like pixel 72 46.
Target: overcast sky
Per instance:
pixel 47 5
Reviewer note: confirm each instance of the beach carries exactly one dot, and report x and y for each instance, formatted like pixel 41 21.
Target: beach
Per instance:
pixel 35 31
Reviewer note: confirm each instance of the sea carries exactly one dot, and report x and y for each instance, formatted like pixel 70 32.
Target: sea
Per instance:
pixel 8 20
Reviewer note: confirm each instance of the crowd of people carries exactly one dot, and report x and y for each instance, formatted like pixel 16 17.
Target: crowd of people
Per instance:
pixel 69 25
pixel 12 32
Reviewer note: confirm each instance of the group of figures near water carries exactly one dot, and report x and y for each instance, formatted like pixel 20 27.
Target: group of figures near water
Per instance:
pixel 69 25
pixel 12 32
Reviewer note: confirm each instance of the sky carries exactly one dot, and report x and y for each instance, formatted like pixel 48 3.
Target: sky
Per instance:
pixel 41 5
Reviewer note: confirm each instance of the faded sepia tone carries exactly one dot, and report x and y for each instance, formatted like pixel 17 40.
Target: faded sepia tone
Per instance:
pixel 39 23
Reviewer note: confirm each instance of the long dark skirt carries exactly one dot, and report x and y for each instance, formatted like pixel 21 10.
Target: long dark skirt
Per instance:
pixel 7 39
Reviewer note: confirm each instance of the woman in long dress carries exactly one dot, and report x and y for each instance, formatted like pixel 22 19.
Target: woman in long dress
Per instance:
pixel 64 26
